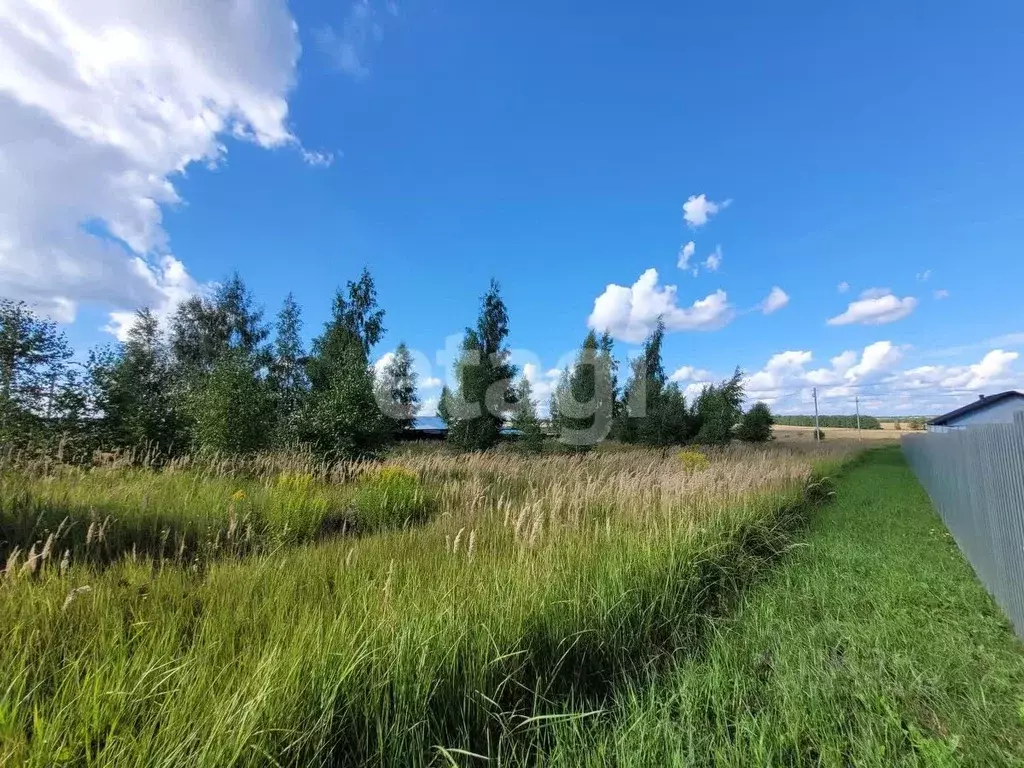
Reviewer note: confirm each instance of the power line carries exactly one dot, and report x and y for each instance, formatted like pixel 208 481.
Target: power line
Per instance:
pixel 867 389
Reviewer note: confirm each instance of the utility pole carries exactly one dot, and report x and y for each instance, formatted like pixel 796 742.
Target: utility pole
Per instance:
pixel 817 431
pixel 857 401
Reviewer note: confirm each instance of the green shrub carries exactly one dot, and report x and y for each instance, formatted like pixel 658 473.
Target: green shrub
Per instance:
pixel 756 424
pixel 716 429
pixel 230 407
pixel 391 497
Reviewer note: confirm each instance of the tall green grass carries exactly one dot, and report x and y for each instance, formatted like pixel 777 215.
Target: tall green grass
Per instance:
pixel 872 645
pixel 536 588
pixel 182 511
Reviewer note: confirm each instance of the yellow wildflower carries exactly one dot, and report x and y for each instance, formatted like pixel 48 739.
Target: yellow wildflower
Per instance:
pixel 693 461
pixel 398 474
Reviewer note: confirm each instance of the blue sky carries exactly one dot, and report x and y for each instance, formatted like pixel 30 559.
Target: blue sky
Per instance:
pixel 149 151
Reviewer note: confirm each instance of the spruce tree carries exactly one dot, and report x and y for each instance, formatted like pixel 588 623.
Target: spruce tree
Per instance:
pixel 618 411
pixel 484 374
pixel 607 355
pixel 524 419
pixel 586 397
pixel 672 417
pixel 243 326
pixel 288 382
pixel 134 387
pixel 446 407
pixel 492 328
pixel 470 427
pixel 356 318
pixel 342 418
pixel 643 394
pixel 756 424
pixel 717 410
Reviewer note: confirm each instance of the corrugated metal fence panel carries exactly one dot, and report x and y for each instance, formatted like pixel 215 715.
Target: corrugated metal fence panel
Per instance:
pixel 975 478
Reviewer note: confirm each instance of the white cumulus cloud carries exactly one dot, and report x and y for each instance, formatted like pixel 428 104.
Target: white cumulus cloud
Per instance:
pixel 692 380
pixel 629 313
pixel 874 374
pixel 843 287
pixel 876 358
pixel 994 367
pixel 774 301
pixel 685 254
pixel 942 293
pixel 689 373
pixel 698 209
pixel 876 306
pixel 782 369
pixel 170 283
pixel 542 384
pixel 994 370
pixel 936 389
pixel 785 376
pixel 714 260
pixel 104 103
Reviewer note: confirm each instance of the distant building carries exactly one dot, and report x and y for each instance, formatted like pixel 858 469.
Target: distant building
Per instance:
pixel 433 428
pixel 994 409
pixel 425 428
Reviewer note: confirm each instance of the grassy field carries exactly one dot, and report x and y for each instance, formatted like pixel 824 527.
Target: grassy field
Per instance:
pixel 280 612
pixel 495 609
pixel 191 511
pixel 871 645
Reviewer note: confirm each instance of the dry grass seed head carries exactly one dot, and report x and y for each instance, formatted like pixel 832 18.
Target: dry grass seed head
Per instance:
pixel 75 593
pixel 31 562
pixel 47 549
pixel 11 568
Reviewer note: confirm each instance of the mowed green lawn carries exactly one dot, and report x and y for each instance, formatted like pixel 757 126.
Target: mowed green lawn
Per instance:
pixel 872 644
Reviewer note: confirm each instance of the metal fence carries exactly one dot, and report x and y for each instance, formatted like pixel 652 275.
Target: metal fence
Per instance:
pixel 975 478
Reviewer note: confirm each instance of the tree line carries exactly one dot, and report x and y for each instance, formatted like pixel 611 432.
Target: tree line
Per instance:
pixel 218 377
pixel 835 422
